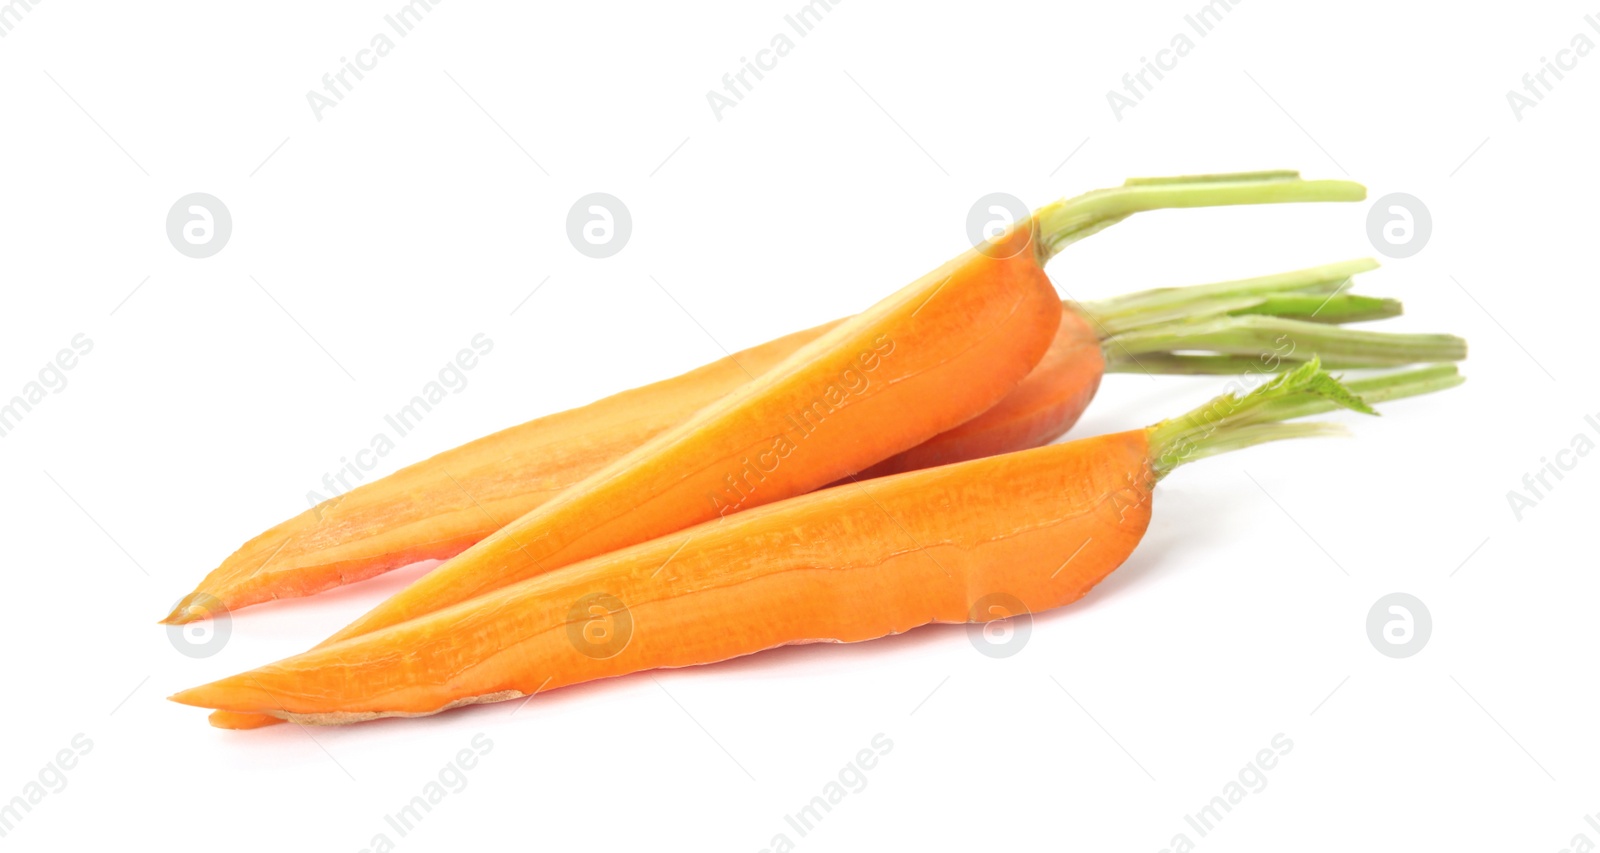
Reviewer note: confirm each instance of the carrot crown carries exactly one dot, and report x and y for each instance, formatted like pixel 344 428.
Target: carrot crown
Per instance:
pixel 1233 422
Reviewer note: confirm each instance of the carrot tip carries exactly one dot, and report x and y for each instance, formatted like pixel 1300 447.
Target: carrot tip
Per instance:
pixel 185 612
pixel 186 697
pixel 194 607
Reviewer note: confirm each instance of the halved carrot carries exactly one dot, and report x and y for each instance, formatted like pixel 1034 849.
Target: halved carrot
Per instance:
pixel 970 542
pixel 437 508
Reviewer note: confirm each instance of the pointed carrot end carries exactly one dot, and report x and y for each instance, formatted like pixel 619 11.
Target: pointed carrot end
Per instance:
pixel 236 702
pixel 199 697
pixel 180 615
pixel 218 695
pixel 194 607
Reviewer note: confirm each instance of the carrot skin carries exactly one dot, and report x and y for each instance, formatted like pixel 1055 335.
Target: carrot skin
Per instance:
pixel 960 543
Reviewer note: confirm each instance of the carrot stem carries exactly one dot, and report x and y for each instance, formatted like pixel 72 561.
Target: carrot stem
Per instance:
pixel 1232 422
pixel 1382 388
pixel 1315 308
pixel 1065 222
pixel 1163 304
pixel 1270 341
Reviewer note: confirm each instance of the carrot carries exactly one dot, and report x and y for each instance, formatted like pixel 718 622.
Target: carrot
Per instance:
pixel 1051 398
pixel 438 508
pixel 970 542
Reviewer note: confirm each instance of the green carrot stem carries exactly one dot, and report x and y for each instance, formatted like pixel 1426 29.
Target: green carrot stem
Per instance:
pixel 1239 438
pixel 1375 389
pixel 1273 339
pixel 1231 422
pixel 1162 304
pixel 1184 364
pixel 1063 222
pixel 1315 308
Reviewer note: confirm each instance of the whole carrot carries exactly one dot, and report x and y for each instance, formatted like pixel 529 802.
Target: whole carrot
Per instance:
pixel 970 542
pixel 439 507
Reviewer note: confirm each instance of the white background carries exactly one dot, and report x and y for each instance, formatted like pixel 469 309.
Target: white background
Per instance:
pixel 374 243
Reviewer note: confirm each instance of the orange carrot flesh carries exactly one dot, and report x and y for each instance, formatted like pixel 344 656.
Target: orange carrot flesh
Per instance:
pixel 930 357
pixel 952 544
pixel 969 542
pixel 1042 408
